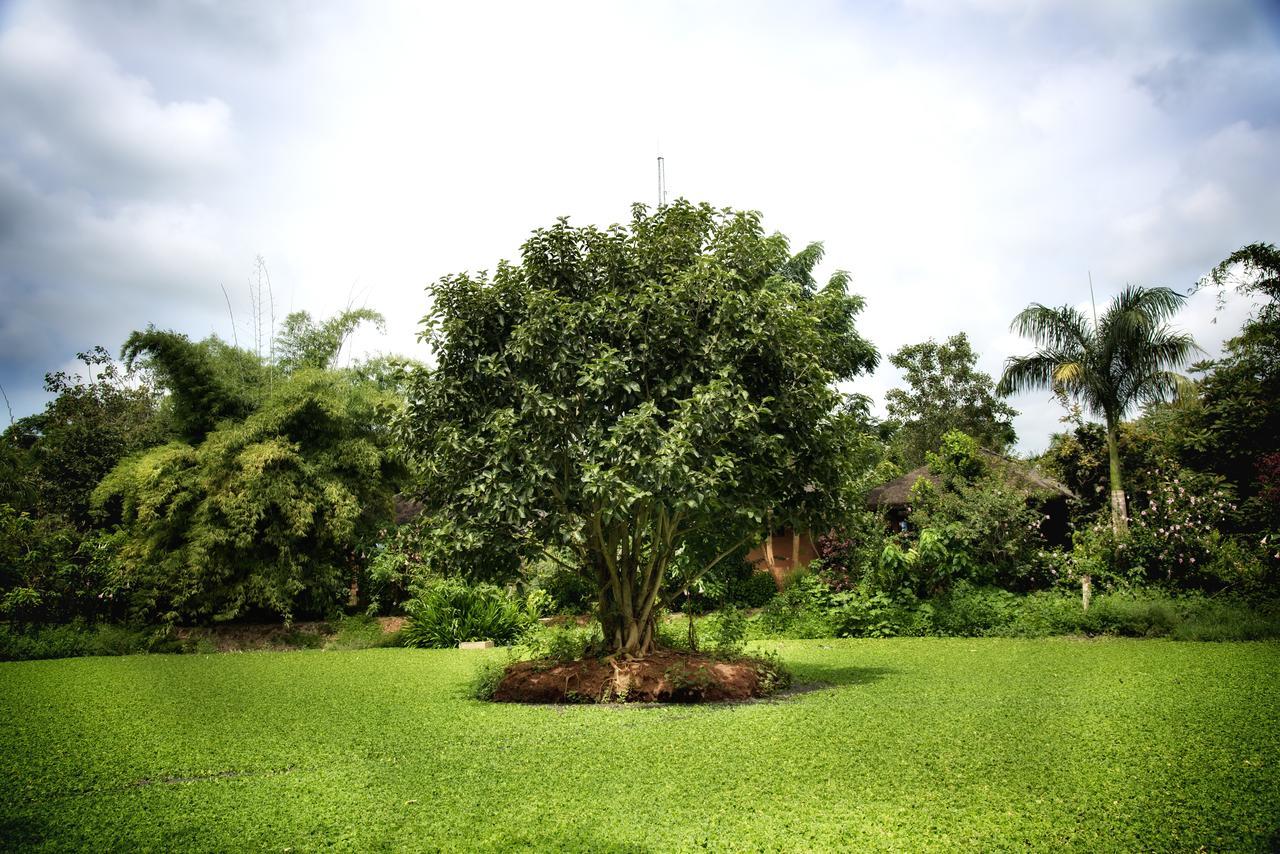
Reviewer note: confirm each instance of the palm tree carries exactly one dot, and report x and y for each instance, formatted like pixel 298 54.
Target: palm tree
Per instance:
pixel 1127 356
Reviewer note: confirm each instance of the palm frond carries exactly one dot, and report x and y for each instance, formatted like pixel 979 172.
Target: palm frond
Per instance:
pixel 1062 327
pixel 1028 373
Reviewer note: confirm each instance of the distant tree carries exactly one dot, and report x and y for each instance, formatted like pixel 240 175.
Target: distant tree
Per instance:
pixel 53 460
pixel 946 392
pixel 618 392
pixel 304 343
pixel 1129 356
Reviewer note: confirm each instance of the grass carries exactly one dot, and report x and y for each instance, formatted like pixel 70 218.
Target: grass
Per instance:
pixel 915 744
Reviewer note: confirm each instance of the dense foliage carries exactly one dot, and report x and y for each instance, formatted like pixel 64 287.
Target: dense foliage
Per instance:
pixel 450 612
pixel 264 513
pixel 610 425
pixel 618 392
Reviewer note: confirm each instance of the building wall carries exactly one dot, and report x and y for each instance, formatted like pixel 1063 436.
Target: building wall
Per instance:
pixel 790 553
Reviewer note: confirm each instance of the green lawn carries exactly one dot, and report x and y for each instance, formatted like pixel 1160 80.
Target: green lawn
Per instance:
pixel 914 744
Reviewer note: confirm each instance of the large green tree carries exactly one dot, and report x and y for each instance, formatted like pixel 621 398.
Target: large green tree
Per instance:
pixel 1130 355
pixel 945 392
pixel 620 391
pixel 1231 427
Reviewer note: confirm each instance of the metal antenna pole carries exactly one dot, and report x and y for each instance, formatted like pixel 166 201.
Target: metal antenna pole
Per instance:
pixel 662 182
pixel 1093 301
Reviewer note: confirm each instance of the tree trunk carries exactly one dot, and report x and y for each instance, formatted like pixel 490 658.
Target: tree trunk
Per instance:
pixel 626 631
pixel 1086 590
pixel 1119 508
pixel 629 636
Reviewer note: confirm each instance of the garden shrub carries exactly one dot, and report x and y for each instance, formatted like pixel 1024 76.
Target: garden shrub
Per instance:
pixel 77 638
pixel 733 582
pixel 988 530
pixel 859 614
pixel 568 592
pixel 449 612
pixel 1228 620
pixel 754 590
pixel 486 679
pixel 1175 534
pixel 1047 613
pixel 970 611
pixel 850 555
pixel 727 632
pixel 1131 615
pixel 801 610
pixel 561 643
pixel 360 631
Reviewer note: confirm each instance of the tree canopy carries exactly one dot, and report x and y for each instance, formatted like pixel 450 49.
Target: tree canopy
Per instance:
pixel 618 391
pixel 946 392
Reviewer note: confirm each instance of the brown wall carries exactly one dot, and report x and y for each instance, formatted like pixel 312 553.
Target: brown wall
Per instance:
pixel 784 561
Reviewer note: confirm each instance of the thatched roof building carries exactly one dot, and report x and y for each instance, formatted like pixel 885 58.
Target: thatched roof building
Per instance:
pixel 893 498
pixel 897 492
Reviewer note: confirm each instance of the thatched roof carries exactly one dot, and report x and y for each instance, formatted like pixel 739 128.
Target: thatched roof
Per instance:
pixel 897 492
pixel 405 509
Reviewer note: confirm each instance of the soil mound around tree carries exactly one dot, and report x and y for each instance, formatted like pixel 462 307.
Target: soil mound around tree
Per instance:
pixel 663 677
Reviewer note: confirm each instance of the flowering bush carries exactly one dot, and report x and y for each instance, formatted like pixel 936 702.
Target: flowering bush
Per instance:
pixel 1176 533
pixel 1175 538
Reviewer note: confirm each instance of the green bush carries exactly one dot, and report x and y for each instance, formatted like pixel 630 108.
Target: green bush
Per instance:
pixel 1047 613
pixel 1130 615
pixel 859 614
pixel 450 612
pixel 360 632
pixel 970 611
pixel 727 632
pixel 486 679
pixel 77 639
pixel 755 590
pixel 561 643
pixel 1228 620
pixel 567 592
pixel 801 610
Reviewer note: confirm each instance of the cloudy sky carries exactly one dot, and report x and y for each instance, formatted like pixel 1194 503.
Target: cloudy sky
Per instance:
pixel 961 159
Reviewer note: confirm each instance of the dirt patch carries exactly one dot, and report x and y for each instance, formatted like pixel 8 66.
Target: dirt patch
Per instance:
pixel 391 625
pixel 664 677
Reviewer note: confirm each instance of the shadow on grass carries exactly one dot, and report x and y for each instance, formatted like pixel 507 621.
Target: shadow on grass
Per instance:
pixel 829 676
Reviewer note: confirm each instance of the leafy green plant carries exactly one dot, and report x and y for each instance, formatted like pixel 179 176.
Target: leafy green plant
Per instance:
pixel 560 643
pixel 773 674
pixel 801 610
pixel 360 631
pixel 727 632
pixel 78 638
pixel 879 615
pixel 485 680
pixel 450 612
